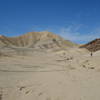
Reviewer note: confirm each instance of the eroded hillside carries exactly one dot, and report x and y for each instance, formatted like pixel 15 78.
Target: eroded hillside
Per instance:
pixel 35 40
pixel 93 45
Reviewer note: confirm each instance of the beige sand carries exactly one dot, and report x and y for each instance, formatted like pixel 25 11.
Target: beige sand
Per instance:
pixel 61 75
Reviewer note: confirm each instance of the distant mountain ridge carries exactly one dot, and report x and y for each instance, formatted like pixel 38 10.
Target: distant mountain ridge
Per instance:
pixel 36 40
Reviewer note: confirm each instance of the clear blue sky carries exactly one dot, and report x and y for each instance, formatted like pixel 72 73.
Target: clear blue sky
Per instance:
pixel 76 20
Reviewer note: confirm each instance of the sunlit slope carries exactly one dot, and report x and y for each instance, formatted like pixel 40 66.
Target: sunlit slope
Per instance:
pixel 36 40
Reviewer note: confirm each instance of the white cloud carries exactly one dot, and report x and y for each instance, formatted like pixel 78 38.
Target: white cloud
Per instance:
pixel 72 33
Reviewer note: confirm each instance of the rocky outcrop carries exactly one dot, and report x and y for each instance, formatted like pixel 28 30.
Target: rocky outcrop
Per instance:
pixel 93 45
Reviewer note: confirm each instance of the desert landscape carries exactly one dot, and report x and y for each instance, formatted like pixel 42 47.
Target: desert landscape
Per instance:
pixel 44 66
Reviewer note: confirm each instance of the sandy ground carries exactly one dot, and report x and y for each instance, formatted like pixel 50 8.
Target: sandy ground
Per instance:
pixel 63 75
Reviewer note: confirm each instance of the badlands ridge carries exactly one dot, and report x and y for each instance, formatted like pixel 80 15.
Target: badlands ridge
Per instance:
pixel 44 66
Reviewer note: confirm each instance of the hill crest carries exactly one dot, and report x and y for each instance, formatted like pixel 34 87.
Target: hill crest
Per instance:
pixel 36 40
pixel 93 45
